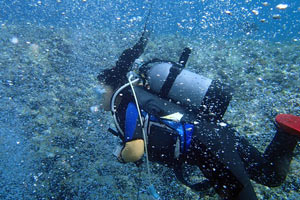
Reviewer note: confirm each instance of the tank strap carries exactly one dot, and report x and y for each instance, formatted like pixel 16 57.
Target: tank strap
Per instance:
pixel 174 72
pixel 116 133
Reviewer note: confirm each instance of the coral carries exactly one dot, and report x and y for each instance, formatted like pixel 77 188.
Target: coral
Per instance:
pixel 48 79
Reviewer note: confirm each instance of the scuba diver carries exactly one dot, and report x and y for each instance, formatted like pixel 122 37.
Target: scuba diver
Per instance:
pixel 174 116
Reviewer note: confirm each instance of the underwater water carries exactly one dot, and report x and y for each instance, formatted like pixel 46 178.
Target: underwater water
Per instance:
pixel 52 146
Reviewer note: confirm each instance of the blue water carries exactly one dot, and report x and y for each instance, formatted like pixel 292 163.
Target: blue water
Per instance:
pixel 200 18
pixel 19 168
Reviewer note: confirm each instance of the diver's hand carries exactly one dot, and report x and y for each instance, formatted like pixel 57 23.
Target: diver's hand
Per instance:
pixel 146 33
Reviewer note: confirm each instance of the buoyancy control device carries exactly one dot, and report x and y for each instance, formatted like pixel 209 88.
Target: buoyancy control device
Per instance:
pixel 168 88
pixel 205 97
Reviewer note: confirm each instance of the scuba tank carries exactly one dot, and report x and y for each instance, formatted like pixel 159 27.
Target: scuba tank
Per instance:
pixel 203 96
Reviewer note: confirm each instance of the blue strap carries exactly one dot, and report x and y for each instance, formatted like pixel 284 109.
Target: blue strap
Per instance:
pixel 185 132
pixel 131 119
pixel 189 129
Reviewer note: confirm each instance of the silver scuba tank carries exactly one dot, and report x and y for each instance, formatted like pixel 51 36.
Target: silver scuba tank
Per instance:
pixel 206 97
pixel 188 88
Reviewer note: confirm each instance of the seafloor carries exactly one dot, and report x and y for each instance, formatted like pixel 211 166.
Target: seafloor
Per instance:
pixel 53 147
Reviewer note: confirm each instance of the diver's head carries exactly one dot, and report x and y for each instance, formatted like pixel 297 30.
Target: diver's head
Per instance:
pixel 109 81
pixel 104 94
pixel 112 77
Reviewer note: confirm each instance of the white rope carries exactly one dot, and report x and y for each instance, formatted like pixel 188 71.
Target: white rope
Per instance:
pixel 142 124
pixel 112 105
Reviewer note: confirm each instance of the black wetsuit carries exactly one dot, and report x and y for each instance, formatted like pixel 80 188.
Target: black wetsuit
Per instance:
pixel 116 76
pixel 227 160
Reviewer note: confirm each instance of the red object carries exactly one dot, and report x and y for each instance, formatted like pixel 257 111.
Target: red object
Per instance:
pixel 289 123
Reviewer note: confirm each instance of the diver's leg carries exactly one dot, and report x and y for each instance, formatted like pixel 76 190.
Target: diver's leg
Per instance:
pixel 257 166
pixel 212 150
pixel 271 168
pixel 280 150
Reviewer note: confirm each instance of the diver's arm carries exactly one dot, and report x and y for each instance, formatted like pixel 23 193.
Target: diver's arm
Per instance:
pixel 128 56
pixel 132 151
